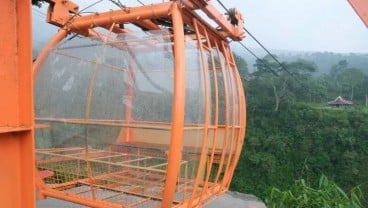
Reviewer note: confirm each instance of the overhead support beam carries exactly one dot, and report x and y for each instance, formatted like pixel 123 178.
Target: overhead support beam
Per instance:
pixel 140 16
pixel 64 14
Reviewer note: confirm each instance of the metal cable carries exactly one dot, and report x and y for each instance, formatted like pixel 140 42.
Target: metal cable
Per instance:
pixel 260 44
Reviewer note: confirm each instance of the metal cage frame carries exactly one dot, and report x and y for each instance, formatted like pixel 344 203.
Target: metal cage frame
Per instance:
pixel 209 41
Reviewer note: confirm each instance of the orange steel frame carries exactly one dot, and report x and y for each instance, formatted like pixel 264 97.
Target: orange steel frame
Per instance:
pixel 16 121
pixel 16 108
pixel 180 12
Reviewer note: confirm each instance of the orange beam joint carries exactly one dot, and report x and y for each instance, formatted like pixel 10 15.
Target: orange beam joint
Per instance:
pixel 59 11
pixel 235 32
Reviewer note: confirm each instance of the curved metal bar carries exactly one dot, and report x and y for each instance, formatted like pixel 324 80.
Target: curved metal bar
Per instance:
pixel 214 137
pixel 202 161
pixel 47 49
pixel 176 143
pixel 242 122
pixel 232 137
pixel 226 96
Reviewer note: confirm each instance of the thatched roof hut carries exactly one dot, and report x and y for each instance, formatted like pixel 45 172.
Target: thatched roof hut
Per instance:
pixel 339 102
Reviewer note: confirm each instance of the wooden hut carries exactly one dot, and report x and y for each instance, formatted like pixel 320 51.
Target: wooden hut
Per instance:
pixel 340 102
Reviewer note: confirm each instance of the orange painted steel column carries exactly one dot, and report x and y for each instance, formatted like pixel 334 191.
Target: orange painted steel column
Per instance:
pixel 176 143
pixel 16 109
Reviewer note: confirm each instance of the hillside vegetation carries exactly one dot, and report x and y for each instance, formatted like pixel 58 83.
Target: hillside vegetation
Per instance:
pixel 323 60
pixel 292 135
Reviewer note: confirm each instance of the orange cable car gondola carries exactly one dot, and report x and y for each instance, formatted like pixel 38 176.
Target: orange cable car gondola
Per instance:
pixel 149 118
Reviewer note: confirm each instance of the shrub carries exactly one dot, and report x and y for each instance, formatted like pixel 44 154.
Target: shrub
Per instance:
pixel 327 195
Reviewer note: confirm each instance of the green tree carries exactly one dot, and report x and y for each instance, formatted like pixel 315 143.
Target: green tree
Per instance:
pixel 348 82
pixel 284 86
pixel 302 84
pixel 351 79
pixel 242 67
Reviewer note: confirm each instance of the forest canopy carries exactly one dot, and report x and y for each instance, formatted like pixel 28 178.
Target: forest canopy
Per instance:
pixel 292 133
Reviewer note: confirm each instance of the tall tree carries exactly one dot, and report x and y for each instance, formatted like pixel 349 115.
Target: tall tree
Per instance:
pixel 268 73
pixel 242 67
pixel 284 85
pixel 350 79
pixel 335 85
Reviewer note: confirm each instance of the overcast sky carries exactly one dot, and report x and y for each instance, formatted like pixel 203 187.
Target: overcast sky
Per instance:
pixel 299 25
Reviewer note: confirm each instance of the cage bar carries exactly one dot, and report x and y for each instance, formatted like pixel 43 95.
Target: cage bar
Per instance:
pixel 154 118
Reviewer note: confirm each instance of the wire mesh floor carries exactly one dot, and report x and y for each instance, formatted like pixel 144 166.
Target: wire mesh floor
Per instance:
pixel 118 177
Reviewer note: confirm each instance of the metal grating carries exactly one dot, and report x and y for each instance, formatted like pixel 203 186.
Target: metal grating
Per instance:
pixel 119 174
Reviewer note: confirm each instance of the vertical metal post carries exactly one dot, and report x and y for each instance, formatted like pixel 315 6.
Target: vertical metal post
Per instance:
pixel 16 114
pixel 129 104
pixel 176 142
